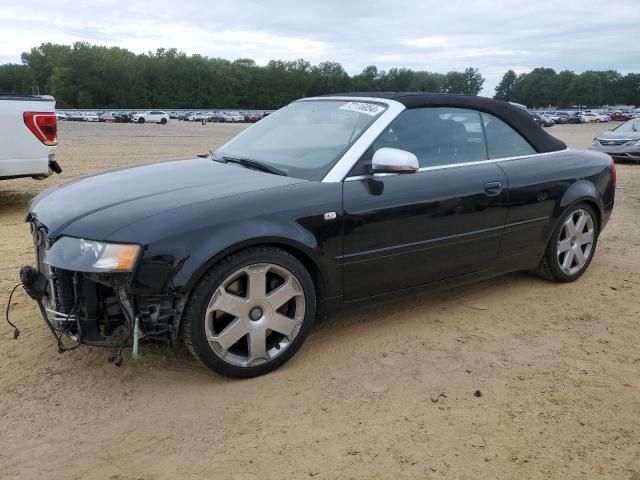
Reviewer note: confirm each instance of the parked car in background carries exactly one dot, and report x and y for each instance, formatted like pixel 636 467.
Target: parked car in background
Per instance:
pixel 593 117
pixel 622 142
pixel 233 117
pixel 195 116
pixel 575 118
pixel 620 116
pixel 217 117
pixel 28 136
pixel 252 117
pixel 75 117
pixel 541 120
pixel 558 117
pixel 153 116
pixel 107 117
pixel 91 117
pixel 123 117
pixel 334 201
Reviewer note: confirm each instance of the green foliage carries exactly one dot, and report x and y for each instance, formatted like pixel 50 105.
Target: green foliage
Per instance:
pixel 15 78
pixel 468 82
pixel 504 90
pixel 543 87
pixel 91 76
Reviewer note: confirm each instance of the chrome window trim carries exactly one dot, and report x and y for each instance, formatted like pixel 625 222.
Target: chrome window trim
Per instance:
pixel 344 165
pixel 464 164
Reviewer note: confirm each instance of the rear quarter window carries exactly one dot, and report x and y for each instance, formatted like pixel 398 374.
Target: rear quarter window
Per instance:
pixel 502 140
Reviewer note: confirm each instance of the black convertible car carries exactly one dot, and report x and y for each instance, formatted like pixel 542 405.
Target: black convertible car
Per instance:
pixel 328 202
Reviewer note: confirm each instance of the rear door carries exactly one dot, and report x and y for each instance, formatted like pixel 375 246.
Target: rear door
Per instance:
pixel 444 221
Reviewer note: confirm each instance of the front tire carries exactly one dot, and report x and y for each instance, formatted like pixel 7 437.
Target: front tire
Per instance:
pixel 250 313
pixel 572 245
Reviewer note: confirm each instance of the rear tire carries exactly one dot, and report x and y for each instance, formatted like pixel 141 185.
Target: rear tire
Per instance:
pixel 572 245
pixel 250 313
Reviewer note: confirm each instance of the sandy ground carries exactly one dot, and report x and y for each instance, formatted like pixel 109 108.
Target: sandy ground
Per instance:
pixel 386 392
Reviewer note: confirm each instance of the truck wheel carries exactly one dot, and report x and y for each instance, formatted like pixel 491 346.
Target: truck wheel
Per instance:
pixel 250 313
pixel 572 245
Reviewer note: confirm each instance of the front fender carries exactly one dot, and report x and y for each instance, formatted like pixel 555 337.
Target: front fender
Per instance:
pixel 246 234
pixel 188 246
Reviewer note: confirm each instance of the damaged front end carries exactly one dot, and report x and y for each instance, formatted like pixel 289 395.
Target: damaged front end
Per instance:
pixel 83 289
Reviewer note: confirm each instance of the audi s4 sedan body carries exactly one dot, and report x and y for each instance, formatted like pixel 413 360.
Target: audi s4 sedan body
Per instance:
pixel 328 202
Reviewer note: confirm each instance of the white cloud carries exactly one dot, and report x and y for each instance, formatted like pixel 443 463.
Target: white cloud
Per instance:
pixel 427 42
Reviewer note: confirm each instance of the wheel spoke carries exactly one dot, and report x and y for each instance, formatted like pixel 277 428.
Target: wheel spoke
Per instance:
pixel 282 294
pixel 579 255
pixel 228 303
pixel 569 226
pixel 257 281
pixel 257 345
pixel 230 335
pixel 582 221
pixel 586 238
pixel 564 245
pixel 281 324
pixel 568 261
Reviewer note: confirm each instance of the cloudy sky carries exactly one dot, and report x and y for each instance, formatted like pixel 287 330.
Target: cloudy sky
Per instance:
pixel 492 35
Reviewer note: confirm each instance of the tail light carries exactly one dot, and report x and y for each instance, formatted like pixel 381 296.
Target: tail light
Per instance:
pixel 44 125
pixel 614 175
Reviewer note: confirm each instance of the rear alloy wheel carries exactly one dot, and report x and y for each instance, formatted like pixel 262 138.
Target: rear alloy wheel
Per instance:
pixel 575 242
pixel 572 245
pixel 250 313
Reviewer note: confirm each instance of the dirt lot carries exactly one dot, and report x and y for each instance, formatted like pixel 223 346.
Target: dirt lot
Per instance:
pixel 387 392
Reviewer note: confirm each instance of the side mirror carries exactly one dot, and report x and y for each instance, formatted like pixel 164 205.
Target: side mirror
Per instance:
pixel 394 160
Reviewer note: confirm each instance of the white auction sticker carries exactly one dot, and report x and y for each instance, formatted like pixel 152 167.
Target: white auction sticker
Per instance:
pixel 363 107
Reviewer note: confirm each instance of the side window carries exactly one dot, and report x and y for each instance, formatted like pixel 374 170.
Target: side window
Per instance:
pixel 437 135
pixel 502 140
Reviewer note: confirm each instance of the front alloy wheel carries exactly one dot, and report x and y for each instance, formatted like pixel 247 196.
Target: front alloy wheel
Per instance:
pixel 255 314
pixel 250 313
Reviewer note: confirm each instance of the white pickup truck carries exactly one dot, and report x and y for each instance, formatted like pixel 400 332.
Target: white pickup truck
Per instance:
pixel 28 136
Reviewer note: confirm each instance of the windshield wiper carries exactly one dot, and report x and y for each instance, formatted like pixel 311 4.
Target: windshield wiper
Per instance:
pixel 250 163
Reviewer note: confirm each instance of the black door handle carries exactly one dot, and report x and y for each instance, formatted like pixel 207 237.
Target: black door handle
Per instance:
pixel 493 188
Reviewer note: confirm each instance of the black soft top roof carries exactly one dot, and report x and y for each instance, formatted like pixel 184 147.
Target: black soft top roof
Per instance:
pixel 518 118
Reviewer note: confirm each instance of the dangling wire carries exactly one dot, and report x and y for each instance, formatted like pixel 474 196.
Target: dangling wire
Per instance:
pixel 16 332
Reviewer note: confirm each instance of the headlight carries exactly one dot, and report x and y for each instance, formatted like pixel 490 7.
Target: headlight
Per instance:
pixel 81 255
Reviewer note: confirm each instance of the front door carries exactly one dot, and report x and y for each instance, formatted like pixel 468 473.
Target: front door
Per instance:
pixel 444 221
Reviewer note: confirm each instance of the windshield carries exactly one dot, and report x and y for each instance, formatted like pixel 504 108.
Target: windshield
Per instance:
pixel 305 138
pixel 631 126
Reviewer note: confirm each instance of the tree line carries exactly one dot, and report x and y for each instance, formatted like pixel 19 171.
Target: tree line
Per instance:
pixel 91 76
pixel 543 87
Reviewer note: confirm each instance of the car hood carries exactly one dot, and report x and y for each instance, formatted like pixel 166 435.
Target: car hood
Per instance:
pixel 612 135
pixel 98 205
